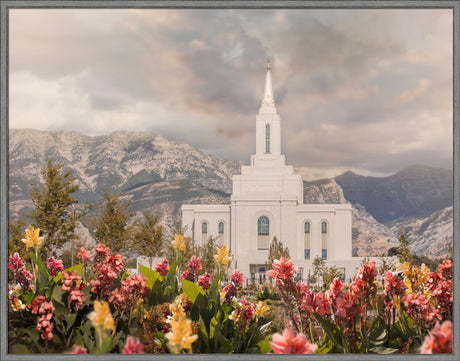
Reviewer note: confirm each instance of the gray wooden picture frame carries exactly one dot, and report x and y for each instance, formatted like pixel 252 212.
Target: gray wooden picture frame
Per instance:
pixel 5 5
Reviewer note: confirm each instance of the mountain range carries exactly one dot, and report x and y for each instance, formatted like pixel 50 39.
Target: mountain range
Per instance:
pixel 159 175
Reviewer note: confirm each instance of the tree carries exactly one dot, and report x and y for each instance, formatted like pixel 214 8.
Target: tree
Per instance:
pixel 386 266
pixel 276 252
pixel 147 238
pixel 329 273
pixel 55 211
pixel 110 222
pixel 318 267
pixel 404 253
pixel 16 230
pixel 209 250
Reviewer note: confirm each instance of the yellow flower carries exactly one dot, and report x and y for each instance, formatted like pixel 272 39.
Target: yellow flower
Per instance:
pixel 261 309
pixel 17 305
pixel 177 307
pixel 397 302
pixel 222 256
pixel 222 296
pixel 179 243
pixel 101 316
pixel 181 336
pixel 32 237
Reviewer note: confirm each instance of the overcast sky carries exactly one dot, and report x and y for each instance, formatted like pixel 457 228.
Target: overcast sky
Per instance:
pixel 362 90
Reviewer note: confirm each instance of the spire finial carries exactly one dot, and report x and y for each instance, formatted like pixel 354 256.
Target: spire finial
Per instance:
pixel 268 59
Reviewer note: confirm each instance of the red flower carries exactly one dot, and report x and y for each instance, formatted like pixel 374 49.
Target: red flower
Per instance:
pixel 312 302
pixel 419 309
pixel 188 275
pixel 288 344
pixel 162 267
pixel 195 263
pixel 204 281
pixel 14 262
pixel 54 266
pixel 44 324
pixel 237 278
pixel 133 345
pixel 36 302
pixel 439 340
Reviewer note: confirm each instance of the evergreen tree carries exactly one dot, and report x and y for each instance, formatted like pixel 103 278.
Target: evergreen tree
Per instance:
pixel 148 238
pixel 208 252
pixel 276 252
pixel 404 253
pixel 55 206
pixel 329 273
pixel 319 265
pixel 16 230
pixel 110 222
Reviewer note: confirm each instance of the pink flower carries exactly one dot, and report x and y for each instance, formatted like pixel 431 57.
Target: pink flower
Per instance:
pixel 420 310
pixel 77 350
pixel 54 266
pixel 204 281
pixel 335 290
pixel 446 268
pixel 195 263
pixel 133 345
pixel 44 324
pixel 14 262
pixel 439 340
pixel 162 267
pixel 393 285
pixel 283 270
pixel 312 302
pixel 288 344
pixel 36 302
pixel 84 254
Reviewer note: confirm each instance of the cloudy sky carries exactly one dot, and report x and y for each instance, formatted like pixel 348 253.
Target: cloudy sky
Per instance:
pixel 366 90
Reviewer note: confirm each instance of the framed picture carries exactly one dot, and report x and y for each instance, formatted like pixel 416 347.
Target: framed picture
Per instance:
pixel 204 177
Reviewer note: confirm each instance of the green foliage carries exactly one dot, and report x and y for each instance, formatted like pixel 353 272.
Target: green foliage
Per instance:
pixel 319 265
pixel 209 250
pixel 16 234
pixel 276 251
pixel 329 273
pixel 404 253
pixel 266 294
pixel 386 266
pixel 55 210
pixel 110 222
pixel 147 238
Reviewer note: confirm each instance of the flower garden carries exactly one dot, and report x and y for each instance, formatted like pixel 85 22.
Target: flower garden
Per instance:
pixel 98 307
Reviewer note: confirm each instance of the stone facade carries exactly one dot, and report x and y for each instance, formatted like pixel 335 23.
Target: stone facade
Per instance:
pixel 267 202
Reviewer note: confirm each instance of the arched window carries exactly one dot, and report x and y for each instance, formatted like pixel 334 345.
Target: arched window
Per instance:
pixel 221 227
pixel 267 138
pixel 307 227
pixel 263 226
pixel 324 240
pixel 324 227
pixel 307 240
pixel 263 233
pixel 204 227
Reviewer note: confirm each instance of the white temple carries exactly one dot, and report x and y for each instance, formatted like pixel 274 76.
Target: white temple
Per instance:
pixel 267 202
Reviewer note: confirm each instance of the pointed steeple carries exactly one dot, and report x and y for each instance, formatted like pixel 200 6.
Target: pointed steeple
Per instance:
pixel 268 102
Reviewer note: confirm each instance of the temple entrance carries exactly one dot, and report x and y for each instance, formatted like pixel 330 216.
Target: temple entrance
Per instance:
pixel 258 273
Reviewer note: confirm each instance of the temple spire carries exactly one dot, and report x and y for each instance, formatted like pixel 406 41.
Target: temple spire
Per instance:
pixel 268 102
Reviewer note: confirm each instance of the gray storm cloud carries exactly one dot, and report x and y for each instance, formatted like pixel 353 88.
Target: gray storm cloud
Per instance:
pixel 355 89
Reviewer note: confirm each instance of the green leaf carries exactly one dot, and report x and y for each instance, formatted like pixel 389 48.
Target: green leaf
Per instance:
pixel 151 275
pixel 28 296
pixel 264 328
pixel 326 347
pixel 191 290
pixel 77 267
pixel 56 295
pixel 264 346
pixel 20 348
pixel 70 320
pixel 332 331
